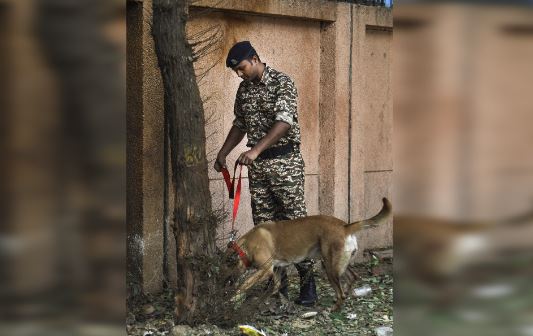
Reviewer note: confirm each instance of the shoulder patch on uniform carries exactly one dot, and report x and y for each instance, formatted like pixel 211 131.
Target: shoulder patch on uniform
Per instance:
pixel 283 78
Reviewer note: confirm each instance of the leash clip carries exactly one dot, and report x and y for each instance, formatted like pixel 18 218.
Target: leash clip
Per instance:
pixel 232 235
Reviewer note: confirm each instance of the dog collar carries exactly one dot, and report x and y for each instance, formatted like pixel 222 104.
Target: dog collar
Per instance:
pixel 241 253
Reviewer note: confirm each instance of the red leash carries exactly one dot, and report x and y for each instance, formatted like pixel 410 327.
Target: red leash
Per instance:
pixel 234 194
pixel 227 178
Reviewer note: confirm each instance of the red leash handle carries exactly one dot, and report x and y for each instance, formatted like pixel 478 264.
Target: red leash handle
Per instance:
pixel 227 178
pixel 234 194
pixel 237 195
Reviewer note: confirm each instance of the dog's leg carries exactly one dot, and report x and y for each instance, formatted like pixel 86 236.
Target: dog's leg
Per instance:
pixel 331 264
pixel 277 282
pixel 348 278
pixel 336 284
pixel 260 275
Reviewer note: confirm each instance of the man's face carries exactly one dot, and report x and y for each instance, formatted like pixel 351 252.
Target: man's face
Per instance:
pixel 247 69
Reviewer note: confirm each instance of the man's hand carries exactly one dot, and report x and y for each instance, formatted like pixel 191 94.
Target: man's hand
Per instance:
pixel 248 157
pixel 235 136
pixel 220 162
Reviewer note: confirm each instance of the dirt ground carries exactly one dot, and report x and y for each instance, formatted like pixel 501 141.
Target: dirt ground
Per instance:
pixel 361 315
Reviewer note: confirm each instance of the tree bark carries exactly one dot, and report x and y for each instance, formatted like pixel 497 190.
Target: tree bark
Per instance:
pixel 193 226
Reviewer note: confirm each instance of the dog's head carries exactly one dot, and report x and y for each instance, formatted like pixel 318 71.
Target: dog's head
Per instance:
pixel 234 266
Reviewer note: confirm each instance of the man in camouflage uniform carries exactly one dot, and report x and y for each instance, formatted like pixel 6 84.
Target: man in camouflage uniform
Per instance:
pixel 266 111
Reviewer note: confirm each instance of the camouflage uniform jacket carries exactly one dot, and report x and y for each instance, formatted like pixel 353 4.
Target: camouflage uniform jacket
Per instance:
pixel 258 105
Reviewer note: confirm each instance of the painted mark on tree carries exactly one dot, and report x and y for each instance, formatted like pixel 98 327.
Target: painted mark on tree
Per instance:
pixel 193 155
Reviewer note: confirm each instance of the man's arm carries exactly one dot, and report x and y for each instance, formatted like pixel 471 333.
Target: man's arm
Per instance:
pixel 235 136
pixel 285 111
pixel 278 130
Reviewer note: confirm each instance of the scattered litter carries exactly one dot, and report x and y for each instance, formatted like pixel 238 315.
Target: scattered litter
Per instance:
pixel 148 309
pixel 302 324
pixel 493 291
pixel 309 314
pixel 362 291
pixel 181 330
pixel 251 331
pixel 383 331
pixel 351 316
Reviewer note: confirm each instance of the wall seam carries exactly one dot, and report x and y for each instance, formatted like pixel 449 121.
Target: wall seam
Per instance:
pixel 350 118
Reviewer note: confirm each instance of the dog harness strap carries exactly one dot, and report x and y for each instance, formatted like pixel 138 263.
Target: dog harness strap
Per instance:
pixel 241 254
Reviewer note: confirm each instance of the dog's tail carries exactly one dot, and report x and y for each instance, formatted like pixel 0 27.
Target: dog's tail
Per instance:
pixel 378 219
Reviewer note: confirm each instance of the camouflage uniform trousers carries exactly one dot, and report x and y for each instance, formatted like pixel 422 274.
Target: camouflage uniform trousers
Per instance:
pixel 277 192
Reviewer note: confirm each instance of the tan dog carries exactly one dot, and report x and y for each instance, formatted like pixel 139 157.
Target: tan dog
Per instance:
pixel 291 241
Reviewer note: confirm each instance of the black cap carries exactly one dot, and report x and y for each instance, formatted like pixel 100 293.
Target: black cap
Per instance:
pixel 240 51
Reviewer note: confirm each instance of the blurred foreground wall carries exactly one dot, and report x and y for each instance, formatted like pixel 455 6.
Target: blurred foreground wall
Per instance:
pixel 340 58
pixel 62 175
pixel 463 126
pixel 463 178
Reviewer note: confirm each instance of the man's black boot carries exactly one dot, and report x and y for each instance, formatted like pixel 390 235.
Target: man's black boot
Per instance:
pixel 308 296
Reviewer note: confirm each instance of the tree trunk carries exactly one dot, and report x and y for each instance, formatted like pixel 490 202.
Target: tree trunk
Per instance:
pixel 194 229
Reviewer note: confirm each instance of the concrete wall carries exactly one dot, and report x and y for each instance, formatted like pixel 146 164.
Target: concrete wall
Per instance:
pixel 371 113
pixel 145 154
pixel 356 117
pixel 339 57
